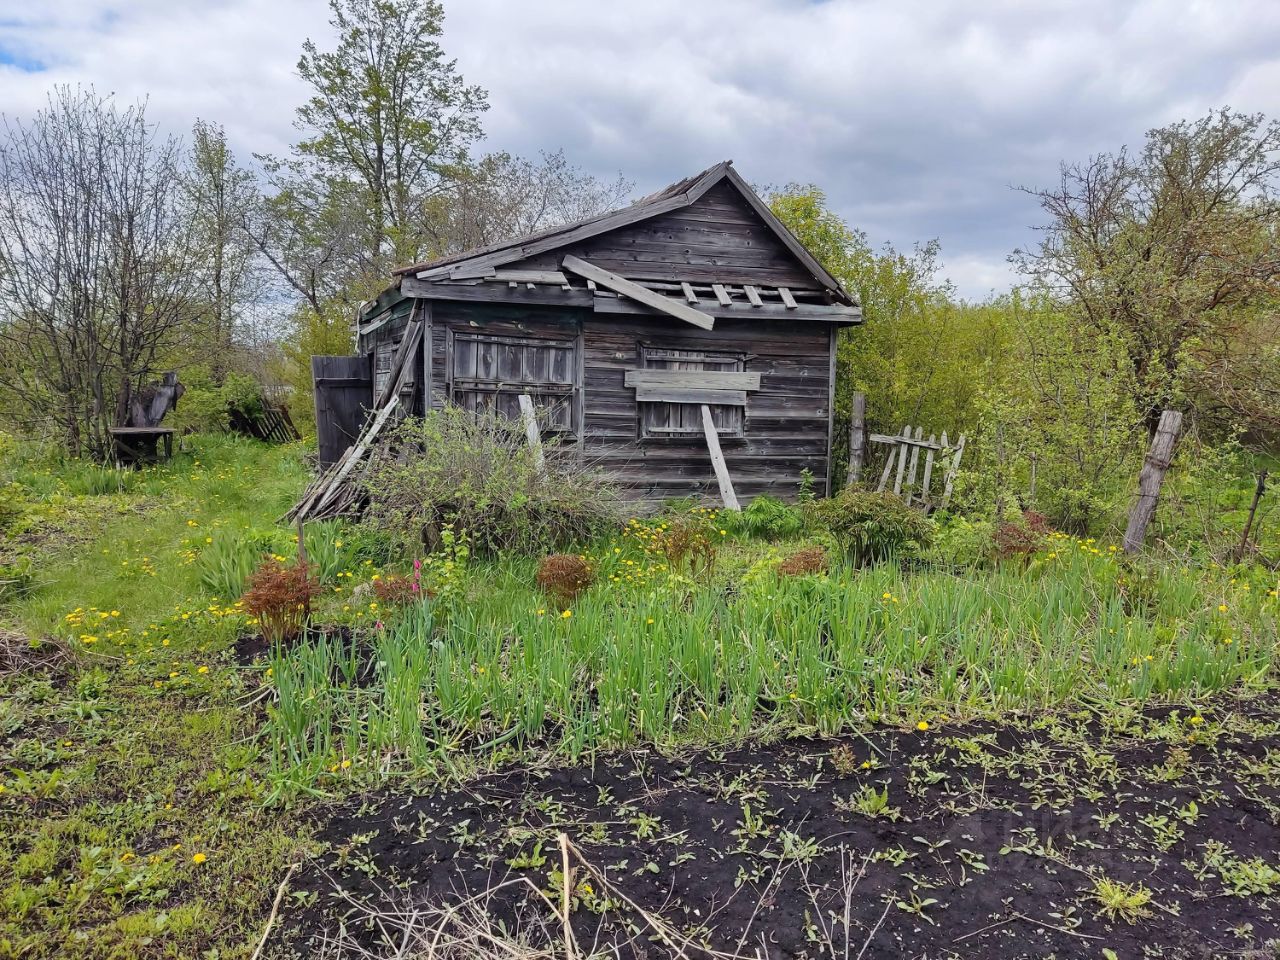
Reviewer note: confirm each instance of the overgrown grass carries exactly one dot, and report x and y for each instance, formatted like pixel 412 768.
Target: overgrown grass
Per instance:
pixel 132 820
pixel 648 656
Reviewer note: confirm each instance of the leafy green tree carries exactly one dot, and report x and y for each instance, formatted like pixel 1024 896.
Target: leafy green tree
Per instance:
pixel 386 131
pixel 920 357
pixel 1174 252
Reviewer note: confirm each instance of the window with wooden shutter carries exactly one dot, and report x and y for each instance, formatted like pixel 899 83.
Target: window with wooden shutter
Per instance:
pixel 384 354
pixel 491 372
pixel 660 418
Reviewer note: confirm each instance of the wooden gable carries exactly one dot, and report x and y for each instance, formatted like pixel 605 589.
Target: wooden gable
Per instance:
pixel 718 238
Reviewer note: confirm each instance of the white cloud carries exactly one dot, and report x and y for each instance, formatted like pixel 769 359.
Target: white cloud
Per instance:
pixel 916 116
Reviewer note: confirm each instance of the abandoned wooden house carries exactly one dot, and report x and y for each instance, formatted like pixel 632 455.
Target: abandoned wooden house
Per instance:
pixel 686 344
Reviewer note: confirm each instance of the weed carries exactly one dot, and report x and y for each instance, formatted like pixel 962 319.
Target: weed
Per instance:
pixel 563 576
pixel 1121 901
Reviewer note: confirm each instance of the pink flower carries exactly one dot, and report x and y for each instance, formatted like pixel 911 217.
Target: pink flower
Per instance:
pixel 378 625
pixel 417 565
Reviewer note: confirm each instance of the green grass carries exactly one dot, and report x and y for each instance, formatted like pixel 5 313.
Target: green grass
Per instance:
pixel 147 745
pixel 122 768
pixel 648 657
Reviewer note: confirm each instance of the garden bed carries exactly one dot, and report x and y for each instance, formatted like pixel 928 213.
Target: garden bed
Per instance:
pixel 1067 835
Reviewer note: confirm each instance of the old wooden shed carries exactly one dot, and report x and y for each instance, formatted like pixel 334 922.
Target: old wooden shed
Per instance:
pixel 685 336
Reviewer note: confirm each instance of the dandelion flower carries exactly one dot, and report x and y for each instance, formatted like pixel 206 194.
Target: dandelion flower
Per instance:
pixel 198 858
pixel 203 670
pixel 566 615
pixel 922 725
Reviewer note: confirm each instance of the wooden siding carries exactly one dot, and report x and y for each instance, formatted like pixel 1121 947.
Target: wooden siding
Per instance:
pixel 785 429
pixel 786 421
pixel 717 239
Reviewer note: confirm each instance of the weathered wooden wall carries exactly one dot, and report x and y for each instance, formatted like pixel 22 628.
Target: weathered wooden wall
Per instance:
pixel 718 239
pixel 343 395
pixel 786 420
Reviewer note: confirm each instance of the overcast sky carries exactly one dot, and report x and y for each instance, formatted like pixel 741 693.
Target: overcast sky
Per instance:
pixel 916 116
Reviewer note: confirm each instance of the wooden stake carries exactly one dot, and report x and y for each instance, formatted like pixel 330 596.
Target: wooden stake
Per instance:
pixel 902 460
pixel 857 439
pixel 1258 491
pixel 530 418
pixel 915 463
pixel 951 471
pixel 727 496
pixel 1151 478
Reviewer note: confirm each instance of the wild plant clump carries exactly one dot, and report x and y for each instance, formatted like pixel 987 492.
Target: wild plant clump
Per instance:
pixel 804 562
pixel 280 596
pixel 564 576
pixel 688 544
pixel 1014 539
pixel 397 591
pixel 477 472
pixel 872 527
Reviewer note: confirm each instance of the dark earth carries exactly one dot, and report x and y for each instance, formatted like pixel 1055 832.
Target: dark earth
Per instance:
pixel 992 841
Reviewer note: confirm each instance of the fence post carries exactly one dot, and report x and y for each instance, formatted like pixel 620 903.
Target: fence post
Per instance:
pixel 857 439
pixel 1150 479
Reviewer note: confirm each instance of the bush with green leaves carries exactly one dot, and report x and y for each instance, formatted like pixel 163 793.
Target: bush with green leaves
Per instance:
pixel 765 518
pixel 871 527
pixel 962 542
pixel 477 472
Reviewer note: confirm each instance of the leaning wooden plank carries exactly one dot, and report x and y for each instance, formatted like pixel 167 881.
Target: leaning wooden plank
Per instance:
pixel 358 450
pixel 681 311
pixel 787 299
pixel 727 496
pixel 951 472
pixel 722 295
pixel 902 461
pixel 888 469
pixel 753 295
pixel 928 474
pixel 693 379
pixel 531 431
pixel 915 464
pixel 660 394
pixel 408 344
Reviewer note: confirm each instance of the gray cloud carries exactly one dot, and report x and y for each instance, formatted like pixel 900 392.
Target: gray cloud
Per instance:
pixel 916 116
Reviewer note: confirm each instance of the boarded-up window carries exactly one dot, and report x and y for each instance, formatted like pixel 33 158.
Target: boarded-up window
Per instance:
pixel 383 356
pixel 663 419
pixel 490 372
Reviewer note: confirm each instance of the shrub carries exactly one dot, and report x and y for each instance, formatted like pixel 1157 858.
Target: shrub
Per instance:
pixel 280 597
pixel 476 472
pixel 871 527
pixel 396 591
pixel 1013 539
pixel 765 518
pixel 961 542
pixel 688 544
pixel 564 576
pixel 804 562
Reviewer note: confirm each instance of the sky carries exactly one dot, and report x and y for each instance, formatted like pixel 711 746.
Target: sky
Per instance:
pixel 919 118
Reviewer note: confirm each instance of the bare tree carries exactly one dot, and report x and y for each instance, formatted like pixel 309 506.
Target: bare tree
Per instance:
pixel 506 196
pixel 95 263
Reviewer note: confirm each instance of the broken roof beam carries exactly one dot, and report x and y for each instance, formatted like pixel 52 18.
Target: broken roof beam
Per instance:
pixel 674 308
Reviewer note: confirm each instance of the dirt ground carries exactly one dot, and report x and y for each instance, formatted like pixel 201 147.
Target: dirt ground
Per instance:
pixel 1132 834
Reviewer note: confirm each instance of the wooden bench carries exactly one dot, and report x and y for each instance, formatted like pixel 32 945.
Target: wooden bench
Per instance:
pixel 135 445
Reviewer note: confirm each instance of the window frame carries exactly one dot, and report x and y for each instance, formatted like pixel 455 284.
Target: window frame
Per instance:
pixel 730 421
pixel 567 391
